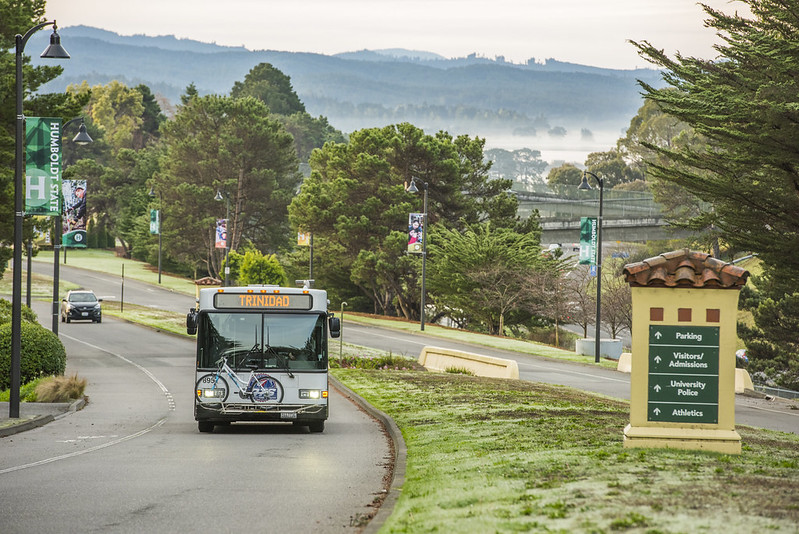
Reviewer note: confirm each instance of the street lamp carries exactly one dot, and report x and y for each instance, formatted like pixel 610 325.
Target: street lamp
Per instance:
pixel 54 51
pixel 218 198
pixel 413 189
pixel 81 139
pixel 584 186
pixel 152 193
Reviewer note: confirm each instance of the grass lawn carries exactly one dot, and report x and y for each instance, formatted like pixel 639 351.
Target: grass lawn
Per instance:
pixel 492 455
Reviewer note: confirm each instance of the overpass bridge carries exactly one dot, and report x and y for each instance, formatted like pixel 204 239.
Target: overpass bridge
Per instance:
pixel 631 216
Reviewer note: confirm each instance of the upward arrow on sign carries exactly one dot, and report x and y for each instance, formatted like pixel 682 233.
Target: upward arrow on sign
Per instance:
pixel 658 335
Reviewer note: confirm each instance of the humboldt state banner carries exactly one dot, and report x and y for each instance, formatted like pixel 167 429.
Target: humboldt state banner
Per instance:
pixel 42 166
pixel 588 240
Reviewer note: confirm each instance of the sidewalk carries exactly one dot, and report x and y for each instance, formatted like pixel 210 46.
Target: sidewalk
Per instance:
pixel 34 414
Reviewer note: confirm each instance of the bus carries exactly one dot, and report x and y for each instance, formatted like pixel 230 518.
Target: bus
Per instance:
pixel 261 355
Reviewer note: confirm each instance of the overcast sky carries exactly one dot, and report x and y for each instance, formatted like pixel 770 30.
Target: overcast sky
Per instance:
pixel 591 32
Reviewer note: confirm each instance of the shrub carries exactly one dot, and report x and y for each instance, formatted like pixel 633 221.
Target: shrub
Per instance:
pixel 381 362
pixel 259 269
pixel 42 353
pixel 60 389
pixel 27 392
pixel 5 313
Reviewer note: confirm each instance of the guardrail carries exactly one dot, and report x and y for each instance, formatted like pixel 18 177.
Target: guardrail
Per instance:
pixel 777 392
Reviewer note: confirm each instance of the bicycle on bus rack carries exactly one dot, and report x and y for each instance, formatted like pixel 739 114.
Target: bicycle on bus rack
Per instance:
pixel 257 388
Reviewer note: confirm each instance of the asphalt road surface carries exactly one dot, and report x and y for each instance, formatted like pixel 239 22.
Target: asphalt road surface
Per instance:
pixel 133 460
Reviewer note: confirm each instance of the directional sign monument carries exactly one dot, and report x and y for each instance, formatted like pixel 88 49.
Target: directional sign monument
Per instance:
pixel 682 363
pixel 683 374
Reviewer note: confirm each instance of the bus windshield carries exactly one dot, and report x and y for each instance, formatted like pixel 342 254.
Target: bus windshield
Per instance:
pixel 263 341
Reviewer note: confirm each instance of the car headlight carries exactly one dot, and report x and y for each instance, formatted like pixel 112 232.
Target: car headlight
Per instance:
pixel 97 306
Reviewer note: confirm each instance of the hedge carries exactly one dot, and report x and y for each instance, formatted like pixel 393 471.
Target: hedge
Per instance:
pixel 42 353
pixel 5 313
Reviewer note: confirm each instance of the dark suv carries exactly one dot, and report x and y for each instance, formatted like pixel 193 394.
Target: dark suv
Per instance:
pixel 81 305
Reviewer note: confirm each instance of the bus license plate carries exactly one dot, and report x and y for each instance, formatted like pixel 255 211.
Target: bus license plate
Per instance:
pixel 288 415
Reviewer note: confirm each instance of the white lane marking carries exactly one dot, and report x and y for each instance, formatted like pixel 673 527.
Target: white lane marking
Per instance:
pixel 168 395
pixel 85 451
pixel 169 398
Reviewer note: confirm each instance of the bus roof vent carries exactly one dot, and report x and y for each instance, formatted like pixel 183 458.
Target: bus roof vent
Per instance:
pixel 306 284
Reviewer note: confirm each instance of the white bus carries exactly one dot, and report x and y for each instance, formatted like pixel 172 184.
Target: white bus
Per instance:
pixel 261 355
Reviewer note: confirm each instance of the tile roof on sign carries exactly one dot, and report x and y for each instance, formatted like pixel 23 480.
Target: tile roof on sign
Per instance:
pixel 685 268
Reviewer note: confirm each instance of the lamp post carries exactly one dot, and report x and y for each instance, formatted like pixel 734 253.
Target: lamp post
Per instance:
pixel 218 198
pixel 413 189
pixel 81 139
pixel 152 193
pixel 584 186
pixel 54 51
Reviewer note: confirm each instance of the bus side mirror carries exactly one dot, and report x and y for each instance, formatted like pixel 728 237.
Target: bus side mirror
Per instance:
pixel 191 322
pixel 335 326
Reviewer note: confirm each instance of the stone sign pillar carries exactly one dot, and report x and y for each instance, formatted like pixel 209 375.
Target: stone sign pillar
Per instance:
pixel 684 337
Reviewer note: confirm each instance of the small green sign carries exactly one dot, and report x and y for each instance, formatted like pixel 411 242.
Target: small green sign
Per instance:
pixel 683 374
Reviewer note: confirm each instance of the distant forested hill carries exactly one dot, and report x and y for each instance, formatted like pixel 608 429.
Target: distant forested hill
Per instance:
pixel 370 88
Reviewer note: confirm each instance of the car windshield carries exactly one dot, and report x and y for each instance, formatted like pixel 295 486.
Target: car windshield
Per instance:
pixel 82 297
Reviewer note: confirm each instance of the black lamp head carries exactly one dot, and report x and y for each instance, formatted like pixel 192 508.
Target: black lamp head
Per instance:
pixel 55 50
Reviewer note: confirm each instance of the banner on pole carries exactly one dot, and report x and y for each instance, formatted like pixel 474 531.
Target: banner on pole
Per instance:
pixel 588 240
pixel 74 216
pixel 304 239
pixel 221 233
pixel 416 233
pixel 155 221
pixel 42 166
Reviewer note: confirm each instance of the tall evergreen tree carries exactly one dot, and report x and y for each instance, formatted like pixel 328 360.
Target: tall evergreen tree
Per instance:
pixel 355 204
pixel 746 104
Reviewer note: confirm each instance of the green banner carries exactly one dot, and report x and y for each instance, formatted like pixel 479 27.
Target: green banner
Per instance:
pixel 155 222
pixel 588 240
pixel 42 166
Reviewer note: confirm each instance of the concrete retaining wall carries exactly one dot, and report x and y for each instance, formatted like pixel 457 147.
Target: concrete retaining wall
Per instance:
pixel 608 348
pixel 440 359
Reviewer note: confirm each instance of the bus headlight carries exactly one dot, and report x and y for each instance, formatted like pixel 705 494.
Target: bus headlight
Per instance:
pixel 216 393
pixel 312 394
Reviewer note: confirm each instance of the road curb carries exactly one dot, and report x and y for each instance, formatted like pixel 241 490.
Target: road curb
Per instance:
pixel 29 424
pixel 400 456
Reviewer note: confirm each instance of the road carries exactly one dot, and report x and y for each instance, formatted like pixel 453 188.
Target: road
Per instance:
pixel 133 460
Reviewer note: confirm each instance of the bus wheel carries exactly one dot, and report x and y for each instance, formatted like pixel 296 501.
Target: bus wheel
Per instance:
pixel 316 426
pixel 205 426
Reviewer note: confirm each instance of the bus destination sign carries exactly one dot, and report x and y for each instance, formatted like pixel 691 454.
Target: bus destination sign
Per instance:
pixel 263 301
pixel 683 374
